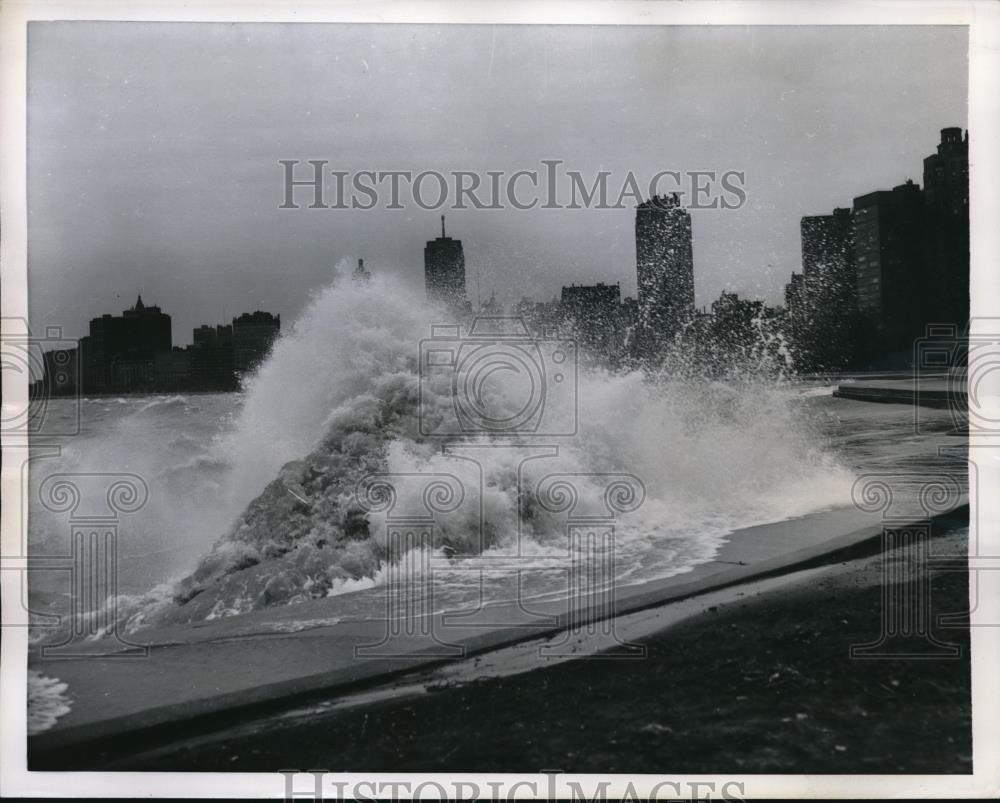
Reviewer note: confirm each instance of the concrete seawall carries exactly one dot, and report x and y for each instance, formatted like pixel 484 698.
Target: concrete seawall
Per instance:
pixel 206 675
pixel 936 393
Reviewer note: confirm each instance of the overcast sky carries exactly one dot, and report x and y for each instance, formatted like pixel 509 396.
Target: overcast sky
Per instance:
pixel 153 149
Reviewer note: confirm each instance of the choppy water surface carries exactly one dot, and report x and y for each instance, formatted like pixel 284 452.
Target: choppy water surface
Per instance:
pixel 254 498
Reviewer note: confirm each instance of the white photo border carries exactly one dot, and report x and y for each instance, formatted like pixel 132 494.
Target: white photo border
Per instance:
pixel 983 20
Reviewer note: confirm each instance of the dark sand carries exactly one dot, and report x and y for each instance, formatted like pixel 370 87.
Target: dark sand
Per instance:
pixel 762 684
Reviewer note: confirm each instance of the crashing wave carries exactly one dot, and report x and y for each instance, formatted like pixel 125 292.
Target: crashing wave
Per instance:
pixel 340 401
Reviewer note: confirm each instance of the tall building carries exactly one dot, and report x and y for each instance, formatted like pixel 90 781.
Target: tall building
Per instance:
pixel 146 328
pixel 827 247
pixel 116 344
pixel 888 234
pixel 946 227
pixel 212 336
pixel 908 252
pixel 140 328
pixel 204 335
pixel 253 335
pixel 821 301
pixel 664 265
pixel 444 271
pixel 795 304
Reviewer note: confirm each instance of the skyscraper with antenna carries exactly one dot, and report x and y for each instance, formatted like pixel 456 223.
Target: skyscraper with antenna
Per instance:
pixel 444 271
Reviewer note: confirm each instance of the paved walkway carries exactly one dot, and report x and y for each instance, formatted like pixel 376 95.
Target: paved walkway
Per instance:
pixel 223 666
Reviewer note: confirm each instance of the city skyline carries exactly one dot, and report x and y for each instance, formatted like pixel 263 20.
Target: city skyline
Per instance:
pixel 167 216
pixel 874 277
pixel 664 268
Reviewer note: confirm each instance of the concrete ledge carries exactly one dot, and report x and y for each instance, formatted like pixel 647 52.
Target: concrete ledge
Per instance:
pixel 937 394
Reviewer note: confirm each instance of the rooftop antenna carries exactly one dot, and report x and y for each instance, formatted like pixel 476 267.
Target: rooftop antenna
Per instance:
pixel 479 297
pixel 442 227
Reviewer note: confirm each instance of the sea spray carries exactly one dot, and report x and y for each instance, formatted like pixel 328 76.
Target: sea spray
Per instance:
pixel 173 444
pixel 340 400
pixel 340 350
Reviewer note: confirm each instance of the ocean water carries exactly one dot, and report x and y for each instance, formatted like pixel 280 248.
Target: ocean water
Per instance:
pixel 173 443
pixel 275 496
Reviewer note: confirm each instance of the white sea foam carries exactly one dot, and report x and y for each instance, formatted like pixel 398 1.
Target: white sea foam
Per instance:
pixel 47 701
pixel 338 401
